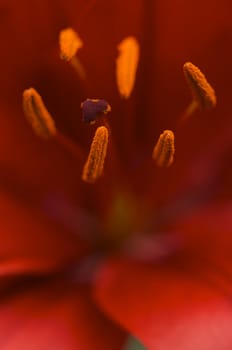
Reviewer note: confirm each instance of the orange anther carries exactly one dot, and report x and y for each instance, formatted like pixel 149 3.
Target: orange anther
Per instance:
pixel 70 43
pixel 94 165
pixel 202 91
pixel 163 152
pixel 37 114
pixel 126 65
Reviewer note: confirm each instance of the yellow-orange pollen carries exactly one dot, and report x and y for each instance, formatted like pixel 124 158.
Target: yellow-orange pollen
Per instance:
pixel 94 165
pixel 37 114
pixel 70 43
pixel 126 65
pixel 203 93
pixel 163 152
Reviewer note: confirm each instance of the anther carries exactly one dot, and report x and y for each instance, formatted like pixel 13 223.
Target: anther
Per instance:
pixel 163 152
pixel 70 43
pixel 126 65
pixel 37 114
pixel 202 91
pixel 93 109
pixel 94 165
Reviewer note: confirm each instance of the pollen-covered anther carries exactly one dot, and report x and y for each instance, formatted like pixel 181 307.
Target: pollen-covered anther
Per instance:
pixel 202 91
pixel 126 65
pixel 163 152
pixel 94 165
pixel 70 43
pixel 37 114
pixel 93 109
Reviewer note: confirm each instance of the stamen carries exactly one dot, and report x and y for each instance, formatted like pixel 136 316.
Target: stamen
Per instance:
pixel 93 109
pixel 37 114
pixel 126 65
pixel 202 91
pixel 94 165
pixel 163 152
pixel 70 43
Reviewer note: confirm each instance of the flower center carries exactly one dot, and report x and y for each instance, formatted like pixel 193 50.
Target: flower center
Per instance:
pixel 121 215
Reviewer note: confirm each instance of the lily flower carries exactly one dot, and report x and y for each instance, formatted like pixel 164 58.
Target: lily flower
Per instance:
pixel 115 175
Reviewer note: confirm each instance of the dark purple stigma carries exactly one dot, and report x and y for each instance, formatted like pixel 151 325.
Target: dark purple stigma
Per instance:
pixel 93 109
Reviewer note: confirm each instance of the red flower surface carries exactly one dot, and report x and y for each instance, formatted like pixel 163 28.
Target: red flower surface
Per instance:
pixel 145 251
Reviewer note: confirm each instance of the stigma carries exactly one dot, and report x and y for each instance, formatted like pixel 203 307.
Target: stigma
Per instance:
pixel 92 109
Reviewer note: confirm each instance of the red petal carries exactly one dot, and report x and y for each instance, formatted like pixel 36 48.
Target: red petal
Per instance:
pixel 30 167
pixel 209 230
pixel 30 243
pixel 207 236
pixel 55 316
pixel 166 307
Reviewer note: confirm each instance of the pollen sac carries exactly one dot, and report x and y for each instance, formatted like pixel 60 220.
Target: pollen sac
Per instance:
pixel 94 165
pixel 70 43
pixel 163 152
pixel 37 114
pixel 126 65
pixel 202 91
pixel 93 109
